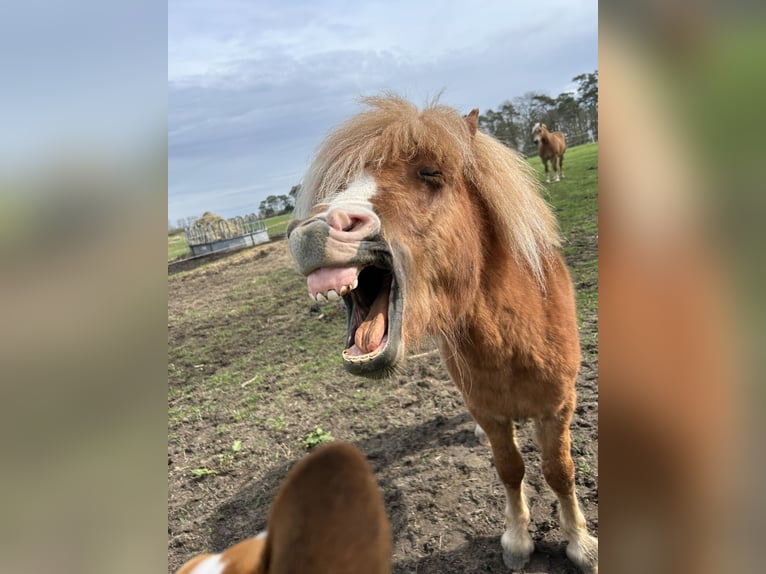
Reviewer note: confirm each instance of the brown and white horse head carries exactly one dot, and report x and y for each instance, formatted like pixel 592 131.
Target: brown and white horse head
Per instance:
pixel 343 253
pixel 328 518
pixel 381 196
pixel 537 131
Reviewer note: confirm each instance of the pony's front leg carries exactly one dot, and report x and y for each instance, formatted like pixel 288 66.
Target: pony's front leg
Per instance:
pixel 558 469
pixel 556 170
pixel 516 542
pixel 547 174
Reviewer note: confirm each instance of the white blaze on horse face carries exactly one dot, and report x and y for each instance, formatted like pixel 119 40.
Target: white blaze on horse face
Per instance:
pixel 356 199
pixel 536 129
pixel 358 193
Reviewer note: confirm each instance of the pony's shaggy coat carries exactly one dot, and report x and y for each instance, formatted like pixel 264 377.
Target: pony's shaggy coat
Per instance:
pixel 475 251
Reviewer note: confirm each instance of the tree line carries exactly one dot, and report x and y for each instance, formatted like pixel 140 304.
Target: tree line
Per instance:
pixel 574 113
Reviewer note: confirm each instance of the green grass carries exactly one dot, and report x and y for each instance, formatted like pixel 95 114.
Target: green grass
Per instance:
pixel 575 198
pixel 177 246
pixel 575 202
pixel 277 225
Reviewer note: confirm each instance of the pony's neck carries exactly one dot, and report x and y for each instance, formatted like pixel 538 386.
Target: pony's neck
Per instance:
pixel 494 329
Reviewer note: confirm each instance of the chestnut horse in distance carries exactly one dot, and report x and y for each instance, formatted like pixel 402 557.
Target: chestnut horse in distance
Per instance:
pixel 427 227
pixel 551 147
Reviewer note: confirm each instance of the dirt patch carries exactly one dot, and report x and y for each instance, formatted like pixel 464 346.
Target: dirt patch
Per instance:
pixel 254 367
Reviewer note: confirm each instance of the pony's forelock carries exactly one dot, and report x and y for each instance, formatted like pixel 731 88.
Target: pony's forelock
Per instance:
pixel 393 129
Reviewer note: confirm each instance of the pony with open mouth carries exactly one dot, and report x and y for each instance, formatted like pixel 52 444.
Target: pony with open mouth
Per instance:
pixel 427 227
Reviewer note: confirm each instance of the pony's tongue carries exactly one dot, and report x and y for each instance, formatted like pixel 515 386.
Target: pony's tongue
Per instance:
pixel 369 335
pixel 331 278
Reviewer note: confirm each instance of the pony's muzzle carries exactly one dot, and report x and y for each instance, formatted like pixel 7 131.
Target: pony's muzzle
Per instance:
pixel 333 239
pixel 308 243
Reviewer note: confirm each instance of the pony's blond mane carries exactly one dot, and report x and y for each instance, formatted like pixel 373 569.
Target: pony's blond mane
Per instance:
pixel 393 129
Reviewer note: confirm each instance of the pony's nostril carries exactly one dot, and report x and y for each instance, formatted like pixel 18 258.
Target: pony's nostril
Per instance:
pixel 353 223
pixel 343 221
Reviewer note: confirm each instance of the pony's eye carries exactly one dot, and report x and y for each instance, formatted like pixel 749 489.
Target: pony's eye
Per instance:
pixel 433 176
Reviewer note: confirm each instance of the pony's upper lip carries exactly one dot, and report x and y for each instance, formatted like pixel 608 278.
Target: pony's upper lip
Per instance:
pixel 331 283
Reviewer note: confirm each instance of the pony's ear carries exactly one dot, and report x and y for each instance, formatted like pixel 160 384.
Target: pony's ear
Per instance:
pixel 329 513
pixel 472 121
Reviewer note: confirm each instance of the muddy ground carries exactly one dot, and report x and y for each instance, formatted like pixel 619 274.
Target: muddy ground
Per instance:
pixel 254 367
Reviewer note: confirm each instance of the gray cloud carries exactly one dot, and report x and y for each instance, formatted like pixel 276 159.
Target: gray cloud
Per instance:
pixel 242 124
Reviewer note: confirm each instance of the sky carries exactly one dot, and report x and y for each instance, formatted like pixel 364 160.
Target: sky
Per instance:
pixel 253 87
pixel 81 80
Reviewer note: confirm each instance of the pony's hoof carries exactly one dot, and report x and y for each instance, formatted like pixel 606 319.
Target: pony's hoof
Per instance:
pixel 517 549
pixel 515 562
pixel 584 553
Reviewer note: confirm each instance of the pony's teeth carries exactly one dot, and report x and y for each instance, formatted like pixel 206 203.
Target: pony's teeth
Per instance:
pixel 345 289
pixel 354 285
pixel 313 297
pixel 332 295
pixel 321 298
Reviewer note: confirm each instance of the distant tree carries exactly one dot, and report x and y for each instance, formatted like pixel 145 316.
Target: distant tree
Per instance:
pixel 570 117
pixel 531 109
pixel 502 124
pixel 273 203
pixel 587 98
pixel 544 110
pixel 265 209
pixel 285 203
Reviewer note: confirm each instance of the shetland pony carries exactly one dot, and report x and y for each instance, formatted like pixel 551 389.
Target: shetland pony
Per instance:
pixel 427 227
pixel 550 146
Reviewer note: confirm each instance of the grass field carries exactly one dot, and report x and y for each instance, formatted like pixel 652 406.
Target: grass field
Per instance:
pixel 277 225
pixel 575 203
pixel 177 247
pixel 254 369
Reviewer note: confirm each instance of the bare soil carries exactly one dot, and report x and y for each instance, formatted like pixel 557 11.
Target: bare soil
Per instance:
pixel 254 367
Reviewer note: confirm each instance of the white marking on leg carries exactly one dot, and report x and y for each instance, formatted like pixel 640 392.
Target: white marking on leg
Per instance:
pixel 210 565
pixel 582 548
pixel 516 542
